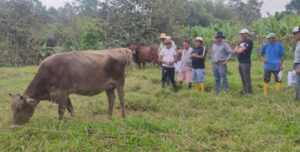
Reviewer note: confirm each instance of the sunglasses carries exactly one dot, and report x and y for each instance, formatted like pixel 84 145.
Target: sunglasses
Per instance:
pixel 218 37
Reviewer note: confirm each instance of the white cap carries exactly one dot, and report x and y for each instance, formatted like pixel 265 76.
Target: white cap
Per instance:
pixel 244 31
pixel 296 29
pixel 199 39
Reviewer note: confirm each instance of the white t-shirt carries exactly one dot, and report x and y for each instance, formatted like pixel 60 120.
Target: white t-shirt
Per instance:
pixel 168 55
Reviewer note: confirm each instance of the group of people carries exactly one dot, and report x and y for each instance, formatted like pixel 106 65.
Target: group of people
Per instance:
pixel 192 61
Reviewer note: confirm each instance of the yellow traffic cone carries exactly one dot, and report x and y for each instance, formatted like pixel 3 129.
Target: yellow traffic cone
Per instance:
pixel 278 86
pixel 266 88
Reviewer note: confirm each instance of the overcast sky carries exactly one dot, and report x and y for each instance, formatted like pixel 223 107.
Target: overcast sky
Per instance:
pixel 271 6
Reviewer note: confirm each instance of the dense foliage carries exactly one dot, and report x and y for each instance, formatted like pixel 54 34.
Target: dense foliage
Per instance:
pixel 29 31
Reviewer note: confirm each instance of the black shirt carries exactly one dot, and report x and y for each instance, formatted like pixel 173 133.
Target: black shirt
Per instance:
pixel 245 57
pixel 196 62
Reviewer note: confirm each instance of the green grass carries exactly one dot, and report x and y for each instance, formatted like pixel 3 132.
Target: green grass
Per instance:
pixel 157 120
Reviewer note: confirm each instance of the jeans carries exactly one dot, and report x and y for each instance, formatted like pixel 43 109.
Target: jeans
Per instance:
pixel 220 72
pixel 245 73
pixel 198 75
pixel 297 65
pixel 168 73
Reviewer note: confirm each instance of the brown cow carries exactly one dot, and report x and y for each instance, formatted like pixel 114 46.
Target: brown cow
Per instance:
pixel 85 73
pixel 143 54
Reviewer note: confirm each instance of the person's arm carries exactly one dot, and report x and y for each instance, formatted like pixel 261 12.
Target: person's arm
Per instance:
pixel 228 51
pixel 197 56
pixel 160 58
pixel 239 50
pixel 282 54
pixel 262 54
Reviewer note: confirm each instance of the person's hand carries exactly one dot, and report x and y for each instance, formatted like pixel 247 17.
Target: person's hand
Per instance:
pixel 225 62
pixel 298 70
pixel 281 67
pixel 263 60
pixel 236 50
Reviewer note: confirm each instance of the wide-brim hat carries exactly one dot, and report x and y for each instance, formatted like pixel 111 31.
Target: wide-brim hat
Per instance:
pixel 199 39
pixel 220 34
pixel 163 36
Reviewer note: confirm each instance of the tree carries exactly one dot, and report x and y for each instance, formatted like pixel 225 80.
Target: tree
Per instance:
pixel 247 12
pixel 293 6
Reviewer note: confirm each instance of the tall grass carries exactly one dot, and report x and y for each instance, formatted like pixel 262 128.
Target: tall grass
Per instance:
pixel 158 120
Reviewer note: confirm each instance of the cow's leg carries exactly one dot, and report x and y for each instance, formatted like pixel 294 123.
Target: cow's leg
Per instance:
pixel 111 100
pixel 144 64
pixel 62 104
pixel 121 95
pixel 70 106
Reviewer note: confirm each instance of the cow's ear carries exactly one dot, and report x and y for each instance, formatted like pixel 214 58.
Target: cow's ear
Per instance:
pixel 31 102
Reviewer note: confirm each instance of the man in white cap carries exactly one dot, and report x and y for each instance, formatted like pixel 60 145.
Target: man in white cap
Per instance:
pixel 296 33
pixel 244 50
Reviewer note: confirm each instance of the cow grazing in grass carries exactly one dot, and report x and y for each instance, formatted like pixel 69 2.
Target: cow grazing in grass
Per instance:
pixel 145 54
pixel 86 73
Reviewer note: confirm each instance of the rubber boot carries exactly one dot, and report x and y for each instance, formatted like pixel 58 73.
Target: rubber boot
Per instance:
pixel 190 86
pixel 278 86
pixel 198 87
pixel 202 86
pixel 266 88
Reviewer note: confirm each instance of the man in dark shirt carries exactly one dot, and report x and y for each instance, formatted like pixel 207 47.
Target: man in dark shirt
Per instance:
pixel 244 50
pixel 198 64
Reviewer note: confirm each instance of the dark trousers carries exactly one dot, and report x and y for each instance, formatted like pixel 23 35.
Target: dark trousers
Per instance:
pixel 268 74
pixel 297 65
pixel 245 73
pixel 168 73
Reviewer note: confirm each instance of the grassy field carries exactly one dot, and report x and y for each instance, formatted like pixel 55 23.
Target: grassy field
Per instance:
pixel 157 120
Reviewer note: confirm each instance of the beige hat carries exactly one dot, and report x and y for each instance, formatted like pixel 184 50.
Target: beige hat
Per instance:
pixel 199 39
pixel 244 31
pixel 163 36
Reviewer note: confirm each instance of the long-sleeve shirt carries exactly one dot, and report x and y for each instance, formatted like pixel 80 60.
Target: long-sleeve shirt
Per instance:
pixel 297 53
pixel 221 52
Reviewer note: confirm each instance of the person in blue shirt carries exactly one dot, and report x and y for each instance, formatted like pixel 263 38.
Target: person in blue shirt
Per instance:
pixel 272 55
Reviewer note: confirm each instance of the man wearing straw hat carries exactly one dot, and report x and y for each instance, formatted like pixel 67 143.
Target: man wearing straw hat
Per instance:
pixel 272 55
pixel 244 50
pixel 167 57
pixel 198 64
pixel 296 33
pixel 221 53
pixel 162 38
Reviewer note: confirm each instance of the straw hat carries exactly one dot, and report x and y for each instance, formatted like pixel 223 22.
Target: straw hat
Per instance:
pixel 199 39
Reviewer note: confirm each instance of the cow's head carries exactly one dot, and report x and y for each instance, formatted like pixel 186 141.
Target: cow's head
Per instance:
pixel 135 52
pixel 23 108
